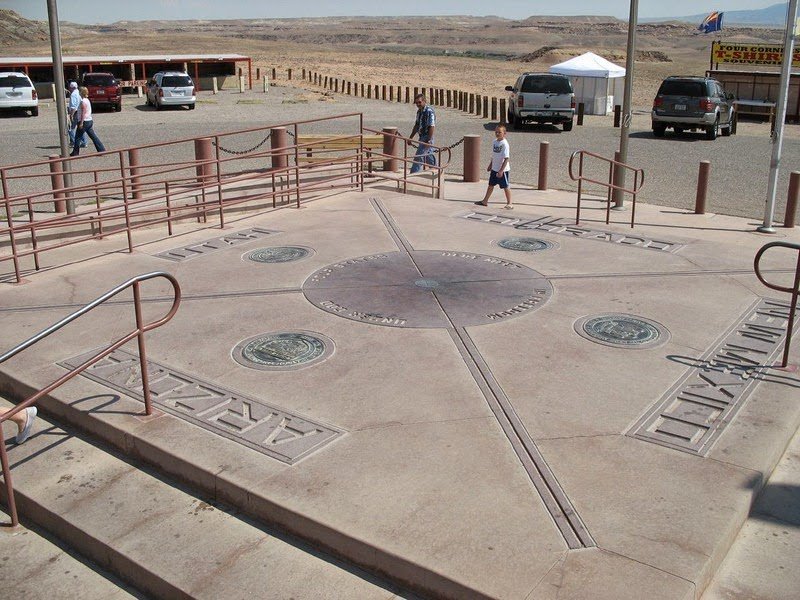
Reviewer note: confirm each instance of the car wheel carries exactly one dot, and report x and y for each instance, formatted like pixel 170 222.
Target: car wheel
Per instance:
pixel 712 130
pixel 726 131
pixel 678 130
pixel 568 125
pixel 191 107
pixel 659 130
pixel 35 111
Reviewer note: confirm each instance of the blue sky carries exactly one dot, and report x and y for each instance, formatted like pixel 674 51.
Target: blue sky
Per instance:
pixel 92 11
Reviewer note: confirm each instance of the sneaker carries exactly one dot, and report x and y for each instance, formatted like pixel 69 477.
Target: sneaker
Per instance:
pixel 508 206
pixel 25 433
pixel 482 203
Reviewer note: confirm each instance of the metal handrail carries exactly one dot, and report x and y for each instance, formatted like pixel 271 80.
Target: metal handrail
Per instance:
pixel 794 290
pixel 613 165
pixel 139 332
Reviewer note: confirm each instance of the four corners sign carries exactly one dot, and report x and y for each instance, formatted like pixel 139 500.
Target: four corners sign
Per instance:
pixel 750 54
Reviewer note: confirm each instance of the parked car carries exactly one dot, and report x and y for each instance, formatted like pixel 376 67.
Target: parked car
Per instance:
pixel 541 98
pixel 17 92
pixel 692 103
pixel 103 89
pixel 170 88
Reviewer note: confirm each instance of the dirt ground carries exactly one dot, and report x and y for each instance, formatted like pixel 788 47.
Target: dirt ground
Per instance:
pixel 473 54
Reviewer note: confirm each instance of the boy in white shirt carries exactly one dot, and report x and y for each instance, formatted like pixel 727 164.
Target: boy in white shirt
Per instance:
pixel 499 167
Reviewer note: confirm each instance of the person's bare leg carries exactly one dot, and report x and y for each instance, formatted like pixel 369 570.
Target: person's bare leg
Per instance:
pixel 489 191
pixel 508 196
pixel 21 418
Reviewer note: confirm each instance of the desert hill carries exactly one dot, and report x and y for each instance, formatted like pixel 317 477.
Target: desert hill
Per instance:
pixel 482 54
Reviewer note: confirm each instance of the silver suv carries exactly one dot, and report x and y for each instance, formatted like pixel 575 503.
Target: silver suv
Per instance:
pixel 541 98
pixel 17 91
pixel 170 88
pixel 691 103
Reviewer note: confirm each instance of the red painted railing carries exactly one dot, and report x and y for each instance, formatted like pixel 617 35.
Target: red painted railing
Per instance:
pixel 794 290
pixel 122 191
pixel 138 332
pixel 613 167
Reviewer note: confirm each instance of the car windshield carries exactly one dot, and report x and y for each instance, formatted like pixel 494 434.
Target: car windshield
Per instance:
pixel 546 85
pixel 104 80
pixel 14 81
pixel 176 81
pixel 682 88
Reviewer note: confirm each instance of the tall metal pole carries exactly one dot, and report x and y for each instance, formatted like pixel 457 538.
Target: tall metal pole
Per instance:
pixel 61 106
pixel 619 174
pixel 780 118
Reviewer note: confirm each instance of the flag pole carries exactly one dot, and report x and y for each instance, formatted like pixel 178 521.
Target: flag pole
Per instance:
pixel 780 118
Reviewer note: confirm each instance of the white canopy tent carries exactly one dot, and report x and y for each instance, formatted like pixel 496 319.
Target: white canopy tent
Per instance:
pixel 596 81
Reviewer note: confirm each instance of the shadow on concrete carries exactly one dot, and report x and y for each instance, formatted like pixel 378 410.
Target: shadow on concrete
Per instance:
pixel 778 501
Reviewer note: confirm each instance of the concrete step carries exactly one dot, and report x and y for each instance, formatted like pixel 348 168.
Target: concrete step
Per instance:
pixel 159 538
pixel 35 567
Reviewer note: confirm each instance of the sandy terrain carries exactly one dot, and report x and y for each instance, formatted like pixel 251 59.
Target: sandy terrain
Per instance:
pixel 482 55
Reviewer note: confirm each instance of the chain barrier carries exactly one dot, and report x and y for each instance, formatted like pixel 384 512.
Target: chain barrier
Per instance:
pixel 290 134
pixel 237 152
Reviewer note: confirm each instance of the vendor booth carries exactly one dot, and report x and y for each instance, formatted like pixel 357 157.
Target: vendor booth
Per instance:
pixel 596 82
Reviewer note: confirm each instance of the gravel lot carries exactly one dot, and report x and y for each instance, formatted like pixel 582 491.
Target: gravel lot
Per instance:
pixel 739 164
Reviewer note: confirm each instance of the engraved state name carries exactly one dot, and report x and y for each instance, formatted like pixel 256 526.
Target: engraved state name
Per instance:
pixel 480 257
pixel 249 421
pixel 694 413
pixel 557 226
pixel 535 300
pixel 323 274
pixel 332 306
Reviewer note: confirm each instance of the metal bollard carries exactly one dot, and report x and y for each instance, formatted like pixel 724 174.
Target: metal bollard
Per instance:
pixel 241 84
pixel 617 113
pixel 581 109
pixel 702 187
pixel 472 159
pixel 494 108
pixel 544 156
pixel 265 83
pixel 471 106
pixel 203 153
pixel 258 72
pixel 57 182
pixel 289 74
pixel 486 107
pixel 791 199
pixel 279 138
pixel 274 74
pixel 391 147
pixel 133 162
pixel 214 85
pixel 503 113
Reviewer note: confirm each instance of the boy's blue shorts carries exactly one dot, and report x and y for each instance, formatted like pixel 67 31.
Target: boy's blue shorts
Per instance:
pixel 502 180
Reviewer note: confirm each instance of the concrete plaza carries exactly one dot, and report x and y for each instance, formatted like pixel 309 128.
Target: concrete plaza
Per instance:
pixel 496 403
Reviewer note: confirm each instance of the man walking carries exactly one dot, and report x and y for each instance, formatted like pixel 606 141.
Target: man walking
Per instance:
pixel 72 111
pixel 425 125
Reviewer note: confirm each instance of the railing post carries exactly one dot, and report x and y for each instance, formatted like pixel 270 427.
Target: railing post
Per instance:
pixel 390 148
pixel 57 182
pixel 10 502
pixel 137 307
pixel 203 156
pixel 791 199
pixel 702 187
pixel 472 148
pixel 544 156
pixel 218 169
pixel 133 165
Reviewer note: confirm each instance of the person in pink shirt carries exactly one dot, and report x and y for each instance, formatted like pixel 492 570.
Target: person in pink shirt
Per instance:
pixel 86 124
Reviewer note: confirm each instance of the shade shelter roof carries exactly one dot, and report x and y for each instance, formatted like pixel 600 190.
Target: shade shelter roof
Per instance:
pixel 588 65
